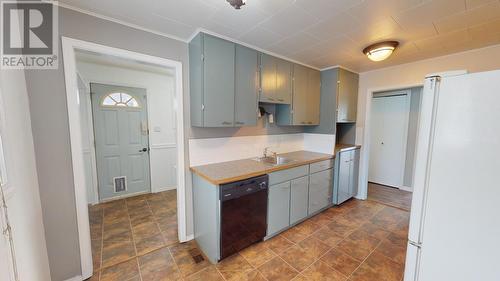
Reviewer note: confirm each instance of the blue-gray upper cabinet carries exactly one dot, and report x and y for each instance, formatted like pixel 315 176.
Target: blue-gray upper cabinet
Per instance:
pixel 275 80
pixel 212 81
pixel 246 87
pixel 305 108
pixel 347 96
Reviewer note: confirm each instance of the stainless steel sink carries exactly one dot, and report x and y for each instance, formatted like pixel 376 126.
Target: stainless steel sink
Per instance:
pixel 278 160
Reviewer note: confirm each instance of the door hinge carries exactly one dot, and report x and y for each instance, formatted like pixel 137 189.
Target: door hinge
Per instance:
pixel 202 57
pixel 202 107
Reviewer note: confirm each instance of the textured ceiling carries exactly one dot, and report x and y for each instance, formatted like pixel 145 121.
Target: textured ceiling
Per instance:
pixel 321 33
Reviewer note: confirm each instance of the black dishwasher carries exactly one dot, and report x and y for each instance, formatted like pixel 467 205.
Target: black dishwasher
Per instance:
pixel 243 214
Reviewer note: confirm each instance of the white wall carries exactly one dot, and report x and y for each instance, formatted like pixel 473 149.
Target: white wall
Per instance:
pixel 161 115
pixel 22 185
pixel 409 75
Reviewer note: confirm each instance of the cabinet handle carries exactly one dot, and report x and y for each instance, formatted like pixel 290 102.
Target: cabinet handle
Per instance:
pixel 270 98
pixel 281 100
pixel 226 123
pixel 240 123
pixel 310 123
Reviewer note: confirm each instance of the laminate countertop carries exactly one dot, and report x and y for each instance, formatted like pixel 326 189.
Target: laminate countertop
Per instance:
pixel 345 147
pixel 226 172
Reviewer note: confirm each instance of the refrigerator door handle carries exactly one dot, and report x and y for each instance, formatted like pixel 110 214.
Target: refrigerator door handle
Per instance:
pixel 415 244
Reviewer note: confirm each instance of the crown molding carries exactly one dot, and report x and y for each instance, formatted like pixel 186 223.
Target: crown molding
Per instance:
pixel 115 20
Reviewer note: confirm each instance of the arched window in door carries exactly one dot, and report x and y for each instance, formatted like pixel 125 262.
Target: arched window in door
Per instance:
pixel 119 100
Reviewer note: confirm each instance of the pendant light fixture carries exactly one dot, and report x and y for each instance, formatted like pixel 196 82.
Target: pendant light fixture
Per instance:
pixel 236 3
pixel 380 51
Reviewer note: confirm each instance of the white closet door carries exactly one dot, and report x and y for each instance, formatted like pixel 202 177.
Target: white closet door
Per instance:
pixel 389 123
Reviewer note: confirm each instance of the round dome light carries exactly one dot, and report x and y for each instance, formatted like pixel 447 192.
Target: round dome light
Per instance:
pixel 380 51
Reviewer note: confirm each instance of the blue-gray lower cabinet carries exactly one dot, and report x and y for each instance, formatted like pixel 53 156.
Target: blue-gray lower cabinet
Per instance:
pixel 299 193
pixel 346 177
pixel 320 190
pixel 278 210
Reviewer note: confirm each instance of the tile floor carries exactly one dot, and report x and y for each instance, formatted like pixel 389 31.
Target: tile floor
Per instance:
pixel 389 196
pixel 358 241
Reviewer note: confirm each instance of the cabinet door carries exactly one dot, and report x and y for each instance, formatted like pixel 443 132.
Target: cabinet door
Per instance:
pixel 246 87
pixel 218 82
pixel 300 79
pixel 320 187
pixel 195 80
pixel 283 82
pixel 344 172
pixel 299 199
pixel 354 174
pixel 267 78
pixel 313 99
pixel 347 102
pixel 278 208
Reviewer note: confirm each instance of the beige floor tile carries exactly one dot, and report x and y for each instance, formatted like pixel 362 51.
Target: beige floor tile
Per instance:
pixel 278 244
pixel 341 262
pixel 314 247
pixel 257 254
pixel 234 263
pixel 117 252
pixel 121 272
pixel 319 271
pixel 146 245
pixel 208 274
pixel 298 258
pixel 117 232
pixel 328 237
pixel 251 275
pixel 145 230
pixel 277 270
pixel 378 267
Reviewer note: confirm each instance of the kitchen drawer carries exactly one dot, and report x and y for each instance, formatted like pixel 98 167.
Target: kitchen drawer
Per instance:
pixel 321 166
pixel 288 174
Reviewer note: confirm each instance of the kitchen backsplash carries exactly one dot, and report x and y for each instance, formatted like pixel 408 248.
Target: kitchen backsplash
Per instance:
pixel 214 150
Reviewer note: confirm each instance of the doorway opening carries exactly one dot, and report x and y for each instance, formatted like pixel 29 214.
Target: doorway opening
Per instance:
pixel 127 141
pixel 394 119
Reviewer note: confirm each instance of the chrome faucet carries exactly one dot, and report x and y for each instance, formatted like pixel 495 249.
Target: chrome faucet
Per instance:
pixel 266 150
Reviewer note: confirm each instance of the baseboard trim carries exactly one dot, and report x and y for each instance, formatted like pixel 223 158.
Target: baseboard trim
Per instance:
pixel 164 189
pixel 76 278
pixel 189 238
pixel 406 188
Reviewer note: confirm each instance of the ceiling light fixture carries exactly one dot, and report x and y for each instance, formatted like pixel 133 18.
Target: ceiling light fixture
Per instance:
pixel 380 51
pixel 236 3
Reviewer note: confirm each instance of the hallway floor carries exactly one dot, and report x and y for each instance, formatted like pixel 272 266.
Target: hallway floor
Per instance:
pixel 357 241
pixel 389 196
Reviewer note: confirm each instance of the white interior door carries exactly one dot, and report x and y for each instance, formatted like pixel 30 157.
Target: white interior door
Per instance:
pixel 389 132
pixel 122 141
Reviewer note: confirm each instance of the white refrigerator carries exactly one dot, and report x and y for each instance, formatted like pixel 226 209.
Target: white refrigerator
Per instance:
pixel 454 229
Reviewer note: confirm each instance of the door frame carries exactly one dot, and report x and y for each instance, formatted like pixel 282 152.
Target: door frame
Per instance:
pixel 69 45
pixel 402 159
pixel 364 164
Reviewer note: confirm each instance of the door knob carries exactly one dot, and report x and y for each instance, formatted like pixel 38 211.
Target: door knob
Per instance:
pixel 143 150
